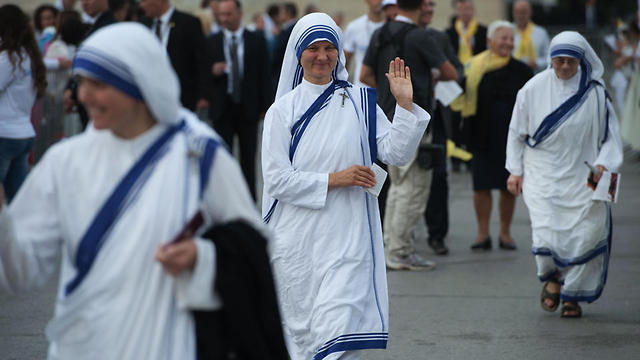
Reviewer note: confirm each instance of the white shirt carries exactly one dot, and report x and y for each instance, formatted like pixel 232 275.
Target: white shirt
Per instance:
pixel 227 38
pixel 166 26
pixel 356 41
pixel 17 95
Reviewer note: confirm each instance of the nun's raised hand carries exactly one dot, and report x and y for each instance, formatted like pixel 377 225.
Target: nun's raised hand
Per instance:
pixel 399 78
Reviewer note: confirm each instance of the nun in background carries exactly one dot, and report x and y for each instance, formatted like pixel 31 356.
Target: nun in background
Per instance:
pixel 562 118
pixel 321 137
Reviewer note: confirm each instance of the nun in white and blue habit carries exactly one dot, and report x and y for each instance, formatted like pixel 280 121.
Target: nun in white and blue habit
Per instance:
pixel 556 126
pixel 99 206
pixel 327 250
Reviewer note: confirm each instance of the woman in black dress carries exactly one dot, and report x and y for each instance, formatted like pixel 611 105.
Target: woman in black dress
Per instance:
pixel 493 79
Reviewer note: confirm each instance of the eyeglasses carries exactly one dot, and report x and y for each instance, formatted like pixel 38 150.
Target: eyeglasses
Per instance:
pixel 564 60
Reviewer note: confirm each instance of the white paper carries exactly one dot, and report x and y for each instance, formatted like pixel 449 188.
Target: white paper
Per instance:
pixel 610 40
pixel 381 176
pixel 607 188
pixel 447 91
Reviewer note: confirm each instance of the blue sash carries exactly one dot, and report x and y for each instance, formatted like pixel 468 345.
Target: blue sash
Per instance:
pixel 370 108
pixel 368 103
pixel 124 195
pixel 553 121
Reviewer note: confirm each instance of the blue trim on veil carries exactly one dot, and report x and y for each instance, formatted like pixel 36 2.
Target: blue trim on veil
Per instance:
pixel 553 121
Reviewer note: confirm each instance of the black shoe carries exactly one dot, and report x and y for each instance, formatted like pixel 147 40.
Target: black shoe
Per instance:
pixel 485 245
pixel 506 246
pixel 438 246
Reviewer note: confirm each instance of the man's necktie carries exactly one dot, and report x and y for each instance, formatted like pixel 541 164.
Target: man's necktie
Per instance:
pixel 236 95
pixel 159 29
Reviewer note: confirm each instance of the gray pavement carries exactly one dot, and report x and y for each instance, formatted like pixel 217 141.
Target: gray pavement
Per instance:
pixel 472 306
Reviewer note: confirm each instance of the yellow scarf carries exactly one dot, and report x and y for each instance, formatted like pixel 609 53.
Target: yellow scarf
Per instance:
pixel 526 50
pixel 474 70
pixel 464 49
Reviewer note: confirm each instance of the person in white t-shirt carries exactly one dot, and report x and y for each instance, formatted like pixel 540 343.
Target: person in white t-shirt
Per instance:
pixel 358 35
pixel 22 76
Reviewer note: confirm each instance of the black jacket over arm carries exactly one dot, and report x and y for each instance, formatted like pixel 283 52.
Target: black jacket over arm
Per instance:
pixel 248 327
pixel 188 57
pixel 256 86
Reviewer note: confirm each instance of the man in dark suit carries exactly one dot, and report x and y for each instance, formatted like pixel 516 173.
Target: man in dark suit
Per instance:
pixel 98 10
pixel 181 34
pixel 242 88
pixel 289 19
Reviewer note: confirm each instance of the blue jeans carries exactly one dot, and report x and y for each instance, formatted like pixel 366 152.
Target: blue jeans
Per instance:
pixel 14 163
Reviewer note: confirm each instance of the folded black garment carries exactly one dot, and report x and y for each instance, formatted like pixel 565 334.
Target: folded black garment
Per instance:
pixel 249 326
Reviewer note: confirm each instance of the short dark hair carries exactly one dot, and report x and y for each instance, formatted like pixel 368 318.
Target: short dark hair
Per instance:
pixel 291 8
pixel 237 2
pixel 115 5
pixel 273 10
pixel 409 4
pixel 72 30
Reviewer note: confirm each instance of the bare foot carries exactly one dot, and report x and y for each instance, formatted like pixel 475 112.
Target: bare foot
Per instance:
pixel 506 239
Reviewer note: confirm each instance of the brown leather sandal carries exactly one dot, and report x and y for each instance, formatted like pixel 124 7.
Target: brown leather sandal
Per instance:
pixel 573 310
pixel 554 297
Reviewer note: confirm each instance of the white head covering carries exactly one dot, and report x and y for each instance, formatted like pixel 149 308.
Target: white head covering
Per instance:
pixel 130 58
pixel 308 30
pixel 572 44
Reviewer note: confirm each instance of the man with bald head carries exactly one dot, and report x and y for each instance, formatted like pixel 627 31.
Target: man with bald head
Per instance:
pixel 467 36
pixel 531 42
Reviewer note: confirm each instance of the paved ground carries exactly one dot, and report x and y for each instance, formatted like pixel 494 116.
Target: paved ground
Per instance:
pixel 472 306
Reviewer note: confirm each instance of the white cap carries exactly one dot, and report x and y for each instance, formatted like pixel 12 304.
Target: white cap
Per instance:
pixel 387 2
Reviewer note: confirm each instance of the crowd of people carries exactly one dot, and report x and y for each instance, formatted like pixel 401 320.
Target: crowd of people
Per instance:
pixel 148 210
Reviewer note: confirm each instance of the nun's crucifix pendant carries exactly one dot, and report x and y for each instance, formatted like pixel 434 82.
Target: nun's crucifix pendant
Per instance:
pixel 344 97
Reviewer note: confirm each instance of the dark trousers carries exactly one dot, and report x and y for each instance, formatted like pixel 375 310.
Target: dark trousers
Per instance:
pixel 234 122
pixel 437 214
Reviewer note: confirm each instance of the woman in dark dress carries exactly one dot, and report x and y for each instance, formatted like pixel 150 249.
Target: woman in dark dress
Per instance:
pixel 493 80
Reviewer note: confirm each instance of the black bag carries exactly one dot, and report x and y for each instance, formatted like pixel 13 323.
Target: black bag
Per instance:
pixel 431 156
pixel 388 46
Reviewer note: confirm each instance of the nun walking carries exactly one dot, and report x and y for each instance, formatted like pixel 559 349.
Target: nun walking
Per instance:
pixel 104 206
pixel 321 137
pixel 562 118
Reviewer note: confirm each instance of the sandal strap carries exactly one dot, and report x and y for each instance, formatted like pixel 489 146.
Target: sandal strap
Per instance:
pixel 575 309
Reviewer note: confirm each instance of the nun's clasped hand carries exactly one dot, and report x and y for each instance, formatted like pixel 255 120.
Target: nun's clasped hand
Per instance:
pixel 399 78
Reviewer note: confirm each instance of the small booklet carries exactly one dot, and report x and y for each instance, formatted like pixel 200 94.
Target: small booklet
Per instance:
pixel 447 91
pixel 605 189
pixel 189 229
pixel 381 176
